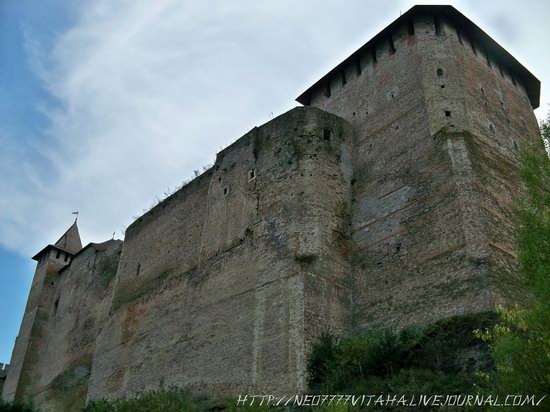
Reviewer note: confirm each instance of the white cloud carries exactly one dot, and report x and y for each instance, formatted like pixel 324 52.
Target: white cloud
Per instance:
pixel 148 91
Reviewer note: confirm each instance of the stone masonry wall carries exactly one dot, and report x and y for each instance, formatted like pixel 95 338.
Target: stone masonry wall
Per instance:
pixel 19 384
pixel 78 311
pixel 214 283
pixel 72 307
pixel 3 373
pixel 388 201
pixel 434 174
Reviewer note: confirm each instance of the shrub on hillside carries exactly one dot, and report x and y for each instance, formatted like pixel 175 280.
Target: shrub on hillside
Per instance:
pixel 441 358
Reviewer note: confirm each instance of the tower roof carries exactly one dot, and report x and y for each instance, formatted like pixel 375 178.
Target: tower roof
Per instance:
pixel 529 81
pixel 70 240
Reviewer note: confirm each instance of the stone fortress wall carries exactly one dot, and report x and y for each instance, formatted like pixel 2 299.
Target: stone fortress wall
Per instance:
pixel 439 122
pixel 386 199
pixel 3 374
pixel 216 284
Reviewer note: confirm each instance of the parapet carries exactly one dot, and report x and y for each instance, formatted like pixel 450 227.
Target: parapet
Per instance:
pixel 464 27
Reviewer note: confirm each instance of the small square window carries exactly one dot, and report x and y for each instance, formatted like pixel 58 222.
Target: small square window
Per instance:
pixel 226 190
pixel 447 113
pixel 58 254
pixel 251 174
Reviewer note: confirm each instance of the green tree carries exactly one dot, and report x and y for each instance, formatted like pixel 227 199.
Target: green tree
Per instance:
pixel 521 341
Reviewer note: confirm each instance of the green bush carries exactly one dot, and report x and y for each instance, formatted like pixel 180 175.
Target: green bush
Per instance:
pixel 322 359
pixel 16 407
pixel 166 400
pixel 444 357
pixel 521 341
pixel 170 399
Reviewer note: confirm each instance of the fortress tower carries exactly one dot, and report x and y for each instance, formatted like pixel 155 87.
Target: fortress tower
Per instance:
pixel 26 352
pixel 386 199
pixel 440 111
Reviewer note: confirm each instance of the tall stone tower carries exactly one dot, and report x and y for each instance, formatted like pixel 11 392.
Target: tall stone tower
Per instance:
pixel 440 111
pixel 28 345
pixel 386 199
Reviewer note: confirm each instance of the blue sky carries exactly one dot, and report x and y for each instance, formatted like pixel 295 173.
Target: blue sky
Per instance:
pixel 105 105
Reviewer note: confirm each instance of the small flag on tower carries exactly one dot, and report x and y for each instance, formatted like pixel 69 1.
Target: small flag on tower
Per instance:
pixel 75 213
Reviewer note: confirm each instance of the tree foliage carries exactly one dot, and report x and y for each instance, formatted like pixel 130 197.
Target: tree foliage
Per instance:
pixel 521 341
pixel 444 357
pixel 16 407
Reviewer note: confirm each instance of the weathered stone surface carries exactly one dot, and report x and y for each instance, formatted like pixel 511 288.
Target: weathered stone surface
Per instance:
pixel 215 291
pixel 74 304
pixel 387 200
pixel 435 174
pixel 3 374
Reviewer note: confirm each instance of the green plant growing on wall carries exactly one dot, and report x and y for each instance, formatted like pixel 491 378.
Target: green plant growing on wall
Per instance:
pixel 521 341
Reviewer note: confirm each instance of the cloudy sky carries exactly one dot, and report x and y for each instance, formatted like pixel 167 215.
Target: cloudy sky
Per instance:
pixel 105 105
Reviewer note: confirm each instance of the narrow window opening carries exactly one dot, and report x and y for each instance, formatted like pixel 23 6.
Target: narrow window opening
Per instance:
pixel 251 174
pixel 226 190
pixel 58 254
pixel 410 27
pixel 442 86
pixel 344 80
pixel 474 48
pixel 459 37
pixel 358 67
pixel 447 113
pixel 491 127
pixel 66 258
pixel 392 46
pixel 373 54
pixel 55 306
pixel 327 89
pixel 326 135
pixel 500 70
pixel 138 269
pixel 440 72
pixel 438 27
pixel 482 91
